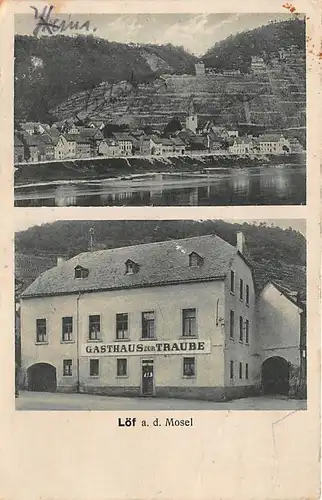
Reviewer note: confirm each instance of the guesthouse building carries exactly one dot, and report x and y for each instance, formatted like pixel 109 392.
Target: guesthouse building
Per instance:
pixel 177 318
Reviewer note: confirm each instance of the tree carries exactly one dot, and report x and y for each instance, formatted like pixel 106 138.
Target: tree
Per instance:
pixel 174 125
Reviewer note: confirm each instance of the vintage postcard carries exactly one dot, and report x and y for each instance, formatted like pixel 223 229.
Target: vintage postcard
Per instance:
pixel 160 187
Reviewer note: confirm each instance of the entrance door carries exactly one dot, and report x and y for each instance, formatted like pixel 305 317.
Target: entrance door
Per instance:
pixel 275 376
pixel 42 377
pixel 147 378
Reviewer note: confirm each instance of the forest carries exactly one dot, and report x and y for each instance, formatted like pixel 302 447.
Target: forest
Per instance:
pixel 235 52
pixel 275 253
pixel 48 70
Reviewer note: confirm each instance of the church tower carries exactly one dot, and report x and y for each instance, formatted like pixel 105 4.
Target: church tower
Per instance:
pixel 192 118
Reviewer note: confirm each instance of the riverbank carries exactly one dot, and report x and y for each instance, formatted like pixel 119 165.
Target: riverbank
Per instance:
pixel 104 168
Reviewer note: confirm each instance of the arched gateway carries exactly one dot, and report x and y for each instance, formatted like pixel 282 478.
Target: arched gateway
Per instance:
pixel 42 377
pixel 275 376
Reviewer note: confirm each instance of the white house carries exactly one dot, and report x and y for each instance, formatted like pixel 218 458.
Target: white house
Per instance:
pixel 175 318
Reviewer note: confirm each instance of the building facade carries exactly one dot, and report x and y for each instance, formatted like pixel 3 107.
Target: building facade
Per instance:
pixel 175 319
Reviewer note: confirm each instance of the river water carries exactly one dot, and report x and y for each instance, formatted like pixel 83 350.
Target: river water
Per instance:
pixel 274 185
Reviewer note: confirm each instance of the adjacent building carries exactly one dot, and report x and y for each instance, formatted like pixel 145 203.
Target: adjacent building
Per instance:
pixel 273 144
pixel 177 318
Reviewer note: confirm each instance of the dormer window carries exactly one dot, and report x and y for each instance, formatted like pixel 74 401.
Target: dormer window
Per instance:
pixel 81 272
pixel 131 267
pixel 195 260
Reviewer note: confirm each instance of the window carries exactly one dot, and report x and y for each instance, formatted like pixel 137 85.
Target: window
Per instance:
pixel 232 281
pixel 148 325
pixel 189 367
pixel 67 367
pixel 41 330
pixel 131 267
pixel 195 260
pixel 241 289
pixel 246 371
pixel 94 327
pixel 189 325
pixel 241 336
pixel 240 370
pixel 67 329
pixel 247 331
pixel 81 272
pixel 122 326
pixel 231 323
pixel 231 369
pixel 247 295
pixel 94 367
pixel 121 368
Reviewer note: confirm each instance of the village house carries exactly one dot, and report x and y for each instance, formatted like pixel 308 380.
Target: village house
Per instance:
pixel 125 142
pixel 84 148
pixel 179 146
pixel 48 148
pixel 61 148
pixel 295 145
pixel 109 147
pixel 273 144
pixel 34 128
pixel 146 145
pixel 94 136
pixel 34 147
pixel 241 146
pixel 19 150
pixel 199 332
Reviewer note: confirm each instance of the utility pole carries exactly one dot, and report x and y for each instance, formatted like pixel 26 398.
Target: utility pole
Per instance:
pixel 91 239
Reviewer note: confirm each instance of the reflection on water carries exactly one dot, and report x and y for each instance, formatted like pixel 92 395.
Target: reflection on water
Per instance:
pixel 253 186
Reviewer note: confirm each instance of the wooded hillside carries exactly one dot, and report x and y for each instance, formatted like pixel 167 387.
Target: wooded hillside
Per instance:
pixel 235 52
pixel 48 70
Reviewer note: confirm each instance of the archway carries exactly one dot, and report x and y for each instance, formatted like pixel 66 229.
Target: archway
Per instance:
pixel 42 377
pixel 275 376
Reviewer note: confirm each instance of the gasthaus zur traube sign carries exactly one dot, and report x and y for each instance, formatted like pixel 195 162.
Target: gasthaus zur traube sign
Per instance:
pixel 151 347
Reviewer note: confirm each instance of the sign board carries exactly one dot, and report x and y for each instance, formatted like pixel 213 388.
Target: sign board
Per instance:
pixel 152 347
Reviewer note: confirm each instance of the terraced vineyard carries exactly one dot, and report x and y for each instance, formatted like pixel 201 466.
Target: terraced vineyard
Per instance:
pixel 275 99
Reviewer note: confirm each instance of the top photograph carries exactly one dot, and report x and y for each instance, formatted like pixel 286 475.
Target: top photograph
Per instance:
pixel 159 109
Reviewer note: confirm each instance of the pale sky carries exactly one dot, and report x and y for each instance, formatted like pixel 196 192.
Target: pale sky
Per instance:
pixel 26 219
pixel 196 32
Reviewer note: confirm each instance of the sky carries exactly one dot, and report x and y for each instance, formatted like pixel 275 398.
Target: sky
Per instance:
pixel 195 32
pixel 28 219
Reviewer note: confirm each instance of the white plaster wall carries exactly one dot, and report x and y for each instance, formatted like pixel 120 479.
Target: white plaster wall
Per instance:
pixel 167 302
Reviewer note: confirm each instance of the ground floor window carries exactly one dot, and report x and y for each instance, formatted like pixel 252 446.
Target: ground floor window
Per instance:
pixel 121 368
pixel 240 370
pixel 246 371
pixel 94 367
pixel 189 367
pixel 67 367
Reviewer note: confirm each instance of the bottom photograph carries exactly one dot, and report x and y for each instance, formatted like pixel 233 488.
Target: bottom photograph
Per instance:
pixel 160 315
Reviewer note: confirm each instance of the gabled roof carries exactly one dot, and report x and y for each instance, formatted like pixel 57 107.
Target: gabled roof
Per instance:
pixel 121 136
pixel 17 141
pixel 32 140
pixel 288 294
pixel 162 263
pixel 269 138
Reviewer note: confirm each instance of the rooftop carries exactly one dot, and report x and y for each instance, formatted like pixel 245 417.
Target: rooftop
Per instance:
pixel 161 263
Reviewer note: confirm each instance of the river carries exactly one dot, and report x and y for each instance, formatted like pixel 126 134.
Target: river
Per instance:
pixel 266 185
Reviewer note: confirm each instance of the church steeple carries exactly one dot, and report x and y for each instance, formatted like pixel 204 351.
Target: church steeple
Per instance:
pixel 192 118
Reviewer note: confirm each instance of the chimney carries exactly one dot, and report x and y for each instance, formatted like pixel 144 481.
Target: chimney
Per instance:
pixel 60 261
pixel 240 242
